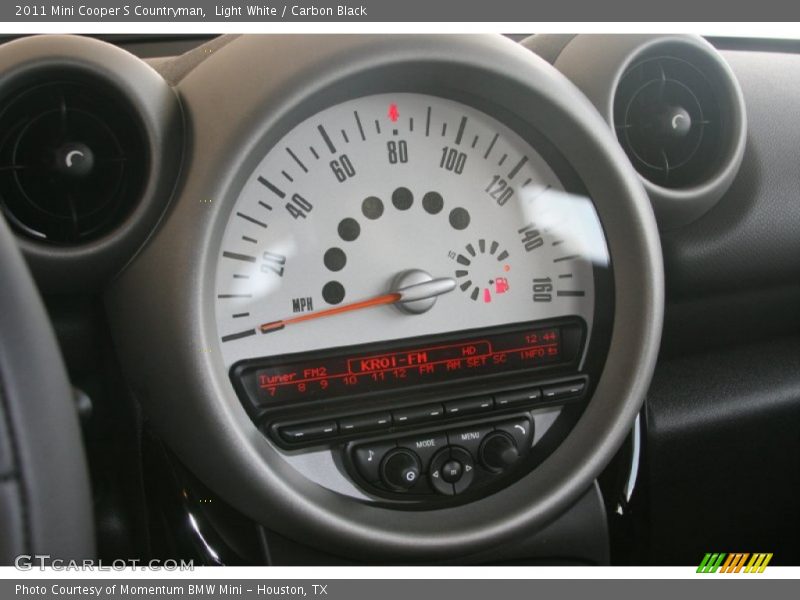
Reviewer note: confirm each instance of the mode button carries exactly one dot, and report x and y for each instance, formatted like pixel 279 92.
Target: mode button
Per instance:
pixel 425 446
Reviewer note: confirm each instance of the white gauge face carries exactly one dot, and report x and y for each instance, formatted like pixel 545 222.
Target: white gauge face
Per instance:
pixel 392 197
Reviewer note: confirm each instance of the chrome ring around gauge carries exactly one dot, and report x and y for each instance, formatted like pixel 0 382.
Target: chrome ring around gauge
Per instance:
pixel 294 225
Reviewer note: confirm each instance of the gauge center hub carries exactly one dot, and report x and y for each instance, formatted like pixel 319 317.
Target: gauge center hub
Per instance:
pixel 409 278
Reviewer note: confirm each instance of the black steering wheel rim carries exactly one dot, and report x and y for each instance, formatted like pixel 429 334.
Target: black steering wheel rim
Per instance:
pixel 45 499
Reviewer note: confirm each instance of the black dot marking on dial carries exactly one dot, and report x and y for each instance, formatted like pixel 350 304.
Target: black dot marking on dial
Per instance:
pixel 433 203
pixel 459 218
pixel 333 292
pixel 349 229
pixel 335 259
pixel 402 198
pixel 372 208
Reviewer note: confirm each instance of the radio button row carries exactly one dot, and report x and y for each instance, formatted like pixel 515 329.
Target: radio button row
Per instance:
pixel 309 431
pixel 517 397
pixel 370 422
pixel 418 414
pixel 468 406
pixel 564 390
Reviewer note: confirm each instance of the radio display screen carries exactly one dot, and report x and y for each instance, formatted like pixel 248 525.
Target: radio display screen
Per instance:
pixel 362 370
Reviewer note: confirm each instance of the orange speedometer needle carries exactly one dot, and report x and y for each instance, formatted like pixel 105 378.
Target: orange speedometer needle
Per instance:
pixel 411 293
pixel 329 312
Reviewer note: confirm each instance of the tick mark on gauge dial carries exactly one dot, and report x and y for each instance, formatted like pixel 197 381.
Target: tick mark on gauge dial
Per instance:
pixel 360 126
pixel 271 187
pixel 517 167
pixel 326 138
pixel 297 160
pixel 571 293
pixel 251 220
pixel 460 133
pixel 563 258
pixel 237 256
pixel 238 336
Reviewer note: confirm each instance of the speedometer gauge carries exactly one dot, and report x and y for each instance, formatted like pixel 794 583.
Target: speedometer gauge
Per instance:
pixel 397 216
pixel 404 280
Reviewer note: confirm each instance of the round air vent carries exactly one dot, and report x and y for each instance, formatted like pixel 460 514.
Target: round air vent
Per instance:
pixel 91 142
pixel 675 106
pixel 72 161
pixel 669 121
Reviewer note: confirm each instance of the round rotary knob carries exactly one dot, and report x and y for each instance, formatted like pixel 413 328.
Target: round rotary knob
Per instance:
pixel 400 469
pixel 499 452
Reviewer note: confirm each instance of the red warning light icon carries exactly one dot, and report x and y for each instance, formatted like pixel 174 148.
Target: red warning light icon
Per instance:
pixel 394 114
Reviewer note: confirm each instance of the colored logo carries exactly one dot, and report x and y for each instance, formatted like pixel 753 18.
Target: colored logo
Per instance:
pixel 734 563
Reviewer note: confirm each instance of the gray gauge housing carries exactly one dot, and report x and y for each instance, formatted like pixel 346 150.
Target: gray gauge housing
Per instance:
pixel 238 102
pixel 596 64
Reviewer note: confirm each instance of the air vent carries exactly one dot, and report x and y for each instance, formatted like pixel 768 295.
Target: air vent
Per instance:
pixel 72 161
pixel 670 121
pixel 675 107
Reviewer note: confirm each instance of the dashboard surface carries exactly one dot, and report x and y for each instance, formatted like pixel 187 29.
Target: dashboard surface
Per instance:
pixel 402 299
